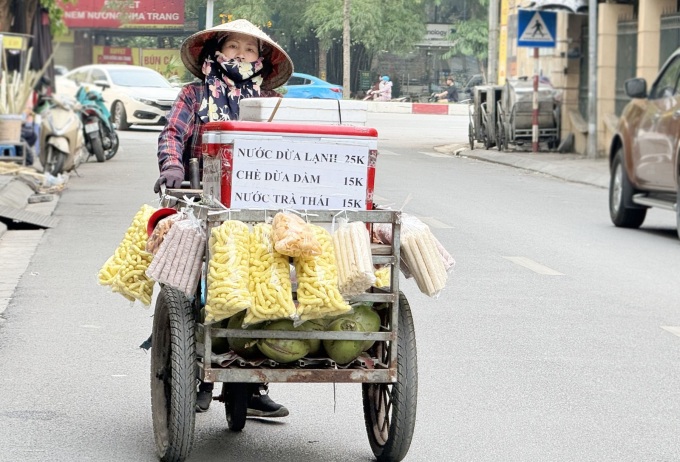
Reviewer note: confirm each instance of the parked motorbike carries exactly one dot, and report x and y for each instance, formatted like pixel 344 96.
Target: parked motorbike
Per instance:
pixel 101 138
pixel 62 144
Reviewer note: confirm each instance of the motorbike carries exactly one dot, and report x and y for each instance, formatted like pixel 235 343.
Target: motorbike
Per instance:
pixel 62 144
pixel 101 138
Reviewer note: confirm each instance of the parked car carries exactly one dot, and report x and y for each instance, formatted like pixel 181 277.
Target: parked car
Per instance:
pixel 60 70
pixel 134 94
pixel 307 86
pixel 643 155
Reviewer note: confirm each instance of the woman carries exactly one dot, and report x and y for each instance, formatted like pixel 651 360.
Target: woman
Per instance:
pixel 385 89
pixel 233 61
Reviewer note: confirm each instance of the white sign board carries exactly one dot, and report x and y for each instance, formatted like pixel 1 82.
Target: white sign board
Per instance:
pixel 303 175
pixel 437 35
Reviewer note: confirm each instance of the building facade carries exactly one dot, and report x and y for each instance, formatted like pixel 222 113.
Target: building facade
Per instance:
pixel 634 39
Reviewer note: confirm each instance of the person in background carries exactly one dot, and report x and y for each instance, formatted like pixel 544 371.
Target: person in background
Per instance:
pixel 374 91
pixel 450 94
pixel 233 61
pixel 384 89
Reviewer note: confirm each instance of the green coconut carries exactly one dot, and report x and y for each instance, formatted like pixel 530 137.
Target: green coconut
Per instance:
pixel 313 325
pixel 245 347
pixel 283 350
pixel 365 315
pixel 344 351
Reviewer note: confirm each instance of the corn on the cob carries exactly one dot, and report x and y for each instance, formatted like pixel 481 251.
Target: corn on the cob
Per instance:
pixel 269 282
pixel 353 256
pixel 228 271
pixel 318 294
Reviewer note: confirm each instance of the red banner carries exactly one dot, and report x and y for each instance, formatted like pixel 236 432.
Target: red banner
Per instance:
pixel 129 14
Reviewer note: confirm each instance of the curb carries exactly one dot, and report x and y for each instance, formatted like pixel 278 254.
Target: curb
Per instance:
pixel 569 167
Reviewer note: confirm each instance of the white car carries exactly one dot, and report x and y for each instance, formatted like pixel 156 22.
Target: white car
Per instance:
pixel 134 94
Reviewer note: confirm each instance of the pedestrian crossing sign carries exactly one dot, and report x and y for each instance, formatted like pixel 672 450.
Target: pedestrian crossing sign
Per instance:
pixel 536 28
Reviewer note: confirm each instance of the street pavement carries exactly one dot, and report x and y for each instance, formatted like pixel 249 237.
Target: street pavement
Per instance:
pixel 16 247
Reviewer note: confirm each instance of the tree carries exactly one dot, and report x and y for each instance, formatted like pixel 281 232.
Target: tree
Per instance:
pixel 471 26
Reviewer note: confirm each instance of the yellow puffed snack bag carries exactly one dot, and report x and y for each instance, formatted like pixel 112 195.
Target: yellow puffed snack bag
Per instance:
pixel 125 270
pixel 269 283
pixel 318 294
pixel 228 271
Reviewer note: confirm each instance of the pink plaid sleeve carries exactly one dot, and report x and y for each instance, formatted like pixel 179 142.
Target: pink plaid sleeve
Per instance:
pixel 178 130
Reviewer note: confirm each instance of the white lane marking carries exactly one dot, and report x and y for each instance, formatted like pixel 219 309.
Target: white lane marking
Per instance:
pixel 672 329
pixel 433 154
pixel 385 152
pixel 119 375
pixel 534 266
pixel 434 223
pixel 90 326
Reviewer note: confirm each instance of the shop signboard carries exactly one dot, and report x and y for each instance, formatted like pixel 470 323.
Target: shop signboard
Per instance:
pixel 114 55
pixel 130 14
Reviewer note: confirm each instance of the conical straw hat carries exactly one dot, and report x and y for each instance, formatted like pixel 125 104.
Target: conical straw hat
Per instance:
pixel 282 65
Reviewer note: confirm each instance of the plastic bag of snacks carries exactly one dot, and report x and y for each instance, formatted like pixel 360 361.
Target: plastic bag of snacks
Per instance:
pixel 353 257
pixel 228 271
pixel 125 270
pixel 293 236
pixel 318 294
pixel 269 283
pixel 161 229
pixel 420 253
pixel 177 262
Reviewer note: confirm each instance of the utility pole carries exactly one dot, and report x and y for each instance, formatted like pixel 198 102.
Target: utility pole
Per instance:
pixel 492 68
pixel 345 51
pixel 209 13
pixel 592 79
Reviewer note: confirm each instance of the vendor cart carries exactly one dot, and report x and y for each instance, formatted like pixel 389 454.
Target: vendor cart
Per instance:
pixel 183 341
pixel 515 115
pixel 482 115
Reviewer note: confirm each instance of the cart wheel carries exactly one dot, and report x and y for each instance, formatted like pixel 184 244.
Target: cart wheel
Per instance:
pixel 390 409
pixel 173 375
pixel 235 397
pixel 500 136
pixel 488 144
pixel 471 136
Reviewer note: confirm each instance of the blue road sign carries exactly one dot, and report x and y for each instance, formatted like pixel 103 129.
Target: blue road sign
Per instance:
pixel 536 29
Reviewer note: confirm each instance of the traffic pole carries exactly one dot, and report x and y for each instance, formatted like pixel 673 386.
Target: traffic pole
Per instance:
pixel 534 115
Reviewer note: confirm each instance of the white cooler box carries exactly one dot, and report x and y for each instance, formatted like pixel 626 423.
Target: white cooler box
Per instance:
pixel 304 111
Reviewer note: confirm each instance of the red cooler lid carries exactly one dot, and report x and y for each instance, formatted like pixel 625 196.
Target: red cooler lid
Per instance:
pixel 307 129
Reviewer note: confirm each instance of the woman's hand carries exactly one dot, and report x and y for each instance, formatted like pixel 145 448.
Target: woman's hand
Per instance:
pixel 171 177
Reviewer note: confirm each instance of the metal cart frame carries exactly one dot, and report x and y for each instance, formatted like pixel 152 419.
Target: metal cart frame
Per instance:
pixel 182 342
pixel 514 124
pixel 483 116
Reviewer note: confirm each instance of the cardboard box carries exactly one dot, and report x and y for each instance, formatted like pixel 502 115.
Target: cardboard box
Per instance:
pixel 304 111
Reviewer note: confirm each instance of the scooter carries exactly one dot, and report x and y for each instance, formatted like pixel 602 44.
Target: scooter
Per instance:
pixel 62 144
pixel 101 138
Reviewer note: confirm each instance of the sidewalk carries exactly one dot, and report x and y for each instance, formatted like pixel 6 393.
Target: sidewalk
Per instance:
pixel 570 167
